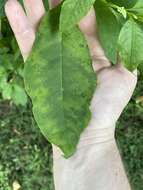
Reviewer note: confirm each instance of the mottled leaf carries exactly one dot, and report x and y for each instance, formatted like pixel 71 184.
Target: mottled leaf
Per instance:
pixel 130 44
pixel 109 27
pixel 73 11
pixel 60 81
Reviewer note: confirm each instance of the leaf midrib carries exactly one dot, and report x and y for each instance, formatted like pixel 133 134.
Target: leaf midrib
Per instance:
pixel 62 89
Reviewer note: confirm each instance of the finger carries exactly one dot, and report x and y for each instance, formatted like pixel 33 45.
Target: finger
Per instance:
pixel 88 26
pixel 35 11
pixel 21 27
pixel 54 3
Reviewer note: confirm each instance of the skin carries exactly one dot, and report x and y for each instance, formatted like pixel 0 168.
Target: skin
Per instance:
pixel 96 165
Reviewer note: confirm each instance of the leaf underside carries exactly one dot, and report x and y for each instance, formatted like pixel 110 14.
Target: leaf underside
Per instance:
pixel 60 81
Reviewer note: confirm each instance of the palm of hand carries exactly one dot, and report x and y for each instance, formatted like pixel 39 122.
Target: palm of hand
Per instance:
pixel 115 86
pixel 115 83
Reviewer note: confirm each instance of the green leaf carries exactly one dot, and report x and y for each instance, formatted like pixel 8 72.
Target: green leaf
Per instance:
pixel 46 4
pixel 6 93
pixel 109 28
pixel 60 81
pixel 73 11
pixel 2 2
pixel 140 69
pixel 2 72
pixel 3 81
pixel 19 96
pixel 6 60
pixel 130 45
pixel 6 89
pixel 140 66
pixel 138 9
pixel 124 3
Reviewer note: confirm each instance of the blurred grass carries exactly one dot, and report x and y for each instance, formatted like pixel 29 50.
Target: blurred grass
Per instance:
pixel 130 137
pixel 26 156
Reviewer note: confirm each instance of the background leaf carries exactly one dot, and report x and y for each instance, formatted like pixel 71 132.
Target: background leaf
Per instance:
pixel 11 67
pixel 46 4
pixel 73 11
pixel 138 8
pixel 60 81
pixel 7 91
pixel 18 95
pixel 124 3
pixel 2 2
pixel 108 28
pixel 130 44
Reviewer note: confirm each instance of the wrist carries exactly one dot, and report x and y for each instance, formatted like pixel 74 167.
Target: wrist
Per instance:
pixel 97 132
pixel 95 135
pixel 85 149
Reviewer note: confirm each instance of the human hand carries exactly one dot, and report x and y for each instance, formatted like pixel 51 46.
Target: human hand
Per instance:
pixel 115 83
pixel 115 86
pixel 97 165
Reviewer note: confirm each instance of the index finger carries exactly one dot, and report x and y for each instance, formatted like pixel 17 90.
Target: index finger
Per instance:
pixel 24 33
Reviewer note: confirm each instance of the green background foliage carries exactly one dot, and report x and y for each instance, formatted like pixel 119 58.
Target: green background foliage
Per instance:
pixel 124 3
pixel 11 67
pixel 106 22
pixel 130 43
pixel 126 40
